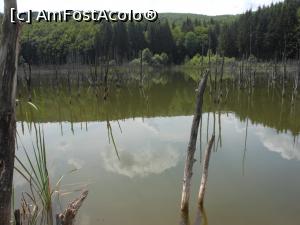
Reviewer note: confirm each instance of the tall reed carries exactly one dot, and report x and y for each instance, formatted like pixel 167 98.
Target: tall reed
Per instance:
pixel 34 170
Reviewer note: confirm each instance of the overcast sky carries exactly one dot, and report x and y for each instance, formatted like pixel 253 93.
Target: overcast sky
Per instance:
pixel 207 7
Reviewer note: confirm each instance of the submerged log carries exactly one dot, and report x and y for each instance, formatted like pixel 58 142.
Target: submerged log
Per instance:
pixel 68 216
pixel 8 82
pixel 205 171
pixel 192 145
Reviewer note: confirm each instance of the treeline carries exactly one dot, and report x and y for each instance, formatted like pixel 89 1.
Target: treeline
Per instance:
pixel 268 33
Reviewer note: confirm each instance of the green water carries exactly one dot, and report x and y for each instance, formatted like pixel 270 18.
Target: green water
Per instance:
pixel 254 169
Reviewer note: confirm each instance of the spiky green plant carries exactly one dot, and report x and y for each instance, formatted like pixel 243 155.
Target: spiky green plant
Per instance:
pixel 35 172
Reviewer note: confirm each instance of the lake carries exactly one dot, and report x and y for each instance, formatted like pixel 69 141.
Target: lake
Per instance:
pixel 129 152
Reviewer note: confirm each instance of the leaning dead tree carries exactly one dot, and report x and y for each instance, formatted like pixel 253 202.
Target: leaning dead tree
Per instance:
pixel 188 170
pixel 8 82
pixel 205 171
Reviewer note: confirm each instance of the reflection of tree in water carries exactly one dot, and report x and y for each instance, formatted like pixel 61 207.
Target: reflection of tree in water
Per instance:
pixel 200 219
pixel 173 98
pixel 111 137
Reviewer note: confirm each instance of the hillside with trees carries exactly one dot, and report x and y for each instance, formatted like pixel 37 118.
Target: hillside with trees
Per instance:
pixel 179 18
pixel 268 33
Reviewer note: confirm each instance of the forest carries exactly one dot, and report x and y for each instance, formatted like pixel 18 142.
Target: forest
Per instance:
pixel 270 32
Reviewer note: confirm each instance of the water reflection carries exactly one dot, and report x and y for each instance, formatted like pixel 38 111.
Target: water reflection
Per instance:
pixel 282 143
pixel 145 161
pixel 152 155
pixel 151 138
pixel 185 219
pixel 76 163
pixel 200 218
pixel 175 98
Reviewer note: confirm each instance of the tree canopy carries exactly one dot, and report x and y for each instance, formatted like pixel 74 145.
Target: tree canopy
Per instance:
pixel 268 33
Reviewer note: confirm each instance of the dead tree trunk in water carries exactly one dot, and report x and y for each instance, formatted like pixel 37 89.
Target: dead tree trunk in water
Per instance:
pixel 284 75
pixel 205 171
pixel 220 94
pixel 209 69
pixel 106 79
pixel 28 79
pixel 141 70
pixel 68 216
pixel 241 74
pixel 297 82
pixel 188 170
pixel 8 83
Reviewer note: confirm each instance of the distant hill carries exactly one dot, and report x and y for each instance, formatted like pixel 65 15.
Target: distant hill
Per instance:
pixel 178 18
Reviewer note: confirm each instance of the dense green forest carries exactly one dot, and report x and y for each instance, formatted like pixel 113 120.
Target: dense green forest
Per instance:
pixel 271 32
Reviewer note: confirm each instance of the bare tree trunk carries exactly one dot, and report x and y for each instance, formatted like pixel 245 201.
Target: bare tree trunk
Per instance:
pixel 220 129
pixel 205 171
pixel 28 79
pixel 284 75
pixel 216 73
pixel 274 77
pixel 141 69
pixel 298 77
pixel 241 78
pixel 8 83
pixel 221 80
pixel 106 79
pixel 188 170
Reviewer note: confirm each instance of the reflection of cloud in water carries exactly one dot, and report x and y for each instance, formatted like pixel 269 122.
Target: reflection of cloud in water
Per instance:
pixel 151 125
pixel 77 163
pixel 19 180
pixel 83 218
pixel 140 163
pixel 280 143
pixel 238 125
pixel 63 146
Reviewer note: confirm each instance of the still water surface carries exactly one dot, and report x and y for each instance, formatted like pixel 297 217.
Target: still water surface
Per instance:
pixel 254 170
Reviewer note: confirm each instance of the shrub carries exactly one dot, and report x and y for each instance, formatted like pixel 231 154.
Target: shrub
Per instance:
pixel 147 55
